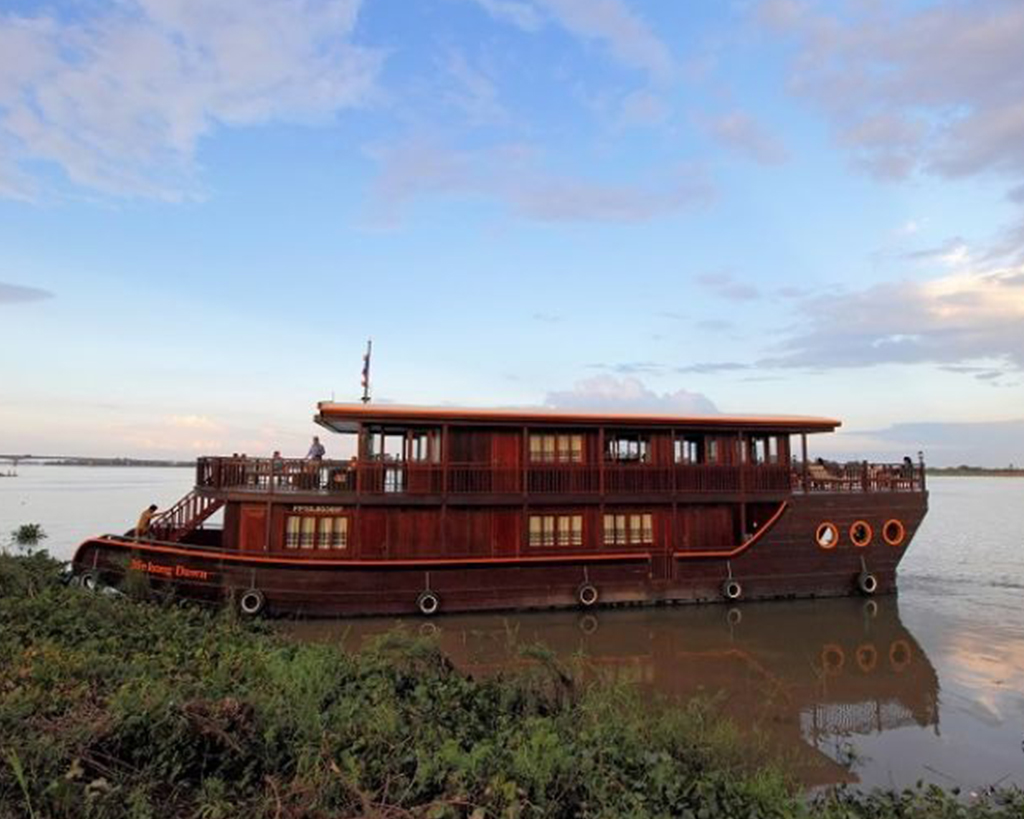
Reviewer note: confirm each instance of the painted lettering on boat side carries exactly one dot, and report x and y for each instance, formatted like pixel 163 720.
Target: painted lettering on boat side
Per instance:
pixel 163 570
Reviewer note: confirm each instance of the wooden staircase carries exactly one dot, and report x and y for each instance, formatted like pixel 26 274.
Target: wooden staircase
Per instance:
pixel 184 517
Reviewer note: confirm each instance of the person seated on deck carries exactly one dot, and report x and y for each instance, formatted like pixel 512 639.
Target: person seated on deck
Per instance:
pixel 142 527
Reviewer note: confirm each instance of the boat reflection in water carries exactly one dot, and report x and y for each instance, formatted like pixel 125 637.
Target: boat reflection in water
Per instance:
pixel 811 676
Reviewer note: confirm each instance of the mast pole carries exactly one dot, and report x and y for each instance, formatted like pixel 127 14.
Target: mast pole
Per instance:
pixel 366 371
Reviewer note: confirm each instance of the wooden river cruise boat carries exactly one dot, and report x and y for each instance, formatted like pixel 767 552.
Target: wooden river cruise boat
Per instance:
pixel 446 509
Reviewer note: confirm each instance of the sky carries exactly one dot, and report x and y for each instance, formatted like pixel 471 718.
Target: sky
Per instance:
pixel 207 208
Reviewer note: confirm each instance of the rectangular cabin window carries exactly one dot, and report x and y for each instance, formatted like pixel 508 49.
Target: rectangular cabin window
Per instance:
pixel 308 531
pixel 556 448
pixel 556 530
pixel 626 447
pixel 773 449
pixel 340 537
pixel 635 529
pixel 687 450
pixel 423 446
pixel 326 532
pixel 711 446
pixel 292 530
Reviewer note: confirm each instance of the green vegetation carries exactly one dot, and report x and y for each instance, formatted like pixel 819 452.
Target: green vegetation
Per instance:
pixel 111 707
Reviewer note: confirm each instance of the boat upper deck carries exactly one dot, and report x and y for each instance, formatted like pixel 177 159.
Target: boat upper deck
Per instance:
pixel 351 480
pixel 537 455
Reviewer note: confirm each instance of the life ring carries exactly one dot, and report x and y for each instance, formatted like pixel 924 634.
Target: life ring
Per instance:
pixel 867 657
pixel 867 583
pixel 826 535
pixel 860 533
pixel 587 595
pixel 870 608
pixel 832 659
pixel 894 532
pixel 899 655
pixel 251 602
pixel 428 603
pixel 90 581
pixel 734 617
pixel 732 589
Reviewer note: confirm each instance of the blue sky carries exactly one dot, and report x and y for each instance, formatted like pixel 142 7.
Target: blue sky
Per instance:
pixel 797 207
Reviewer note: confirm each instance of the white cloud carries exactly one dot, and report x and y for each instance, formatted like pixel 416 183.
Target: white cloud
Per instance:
pixel 193 422
pixel 514 176
pixel 516 12
pixel 120 100
pixel 607 393
pixel 627 37
pixel 17 293
pixel 964 317
pixel 742 133
pixel 937 87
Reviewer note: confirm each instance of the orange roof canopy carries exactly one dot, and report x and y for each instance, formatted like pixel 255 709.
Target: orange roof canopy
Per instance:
pixel 347 417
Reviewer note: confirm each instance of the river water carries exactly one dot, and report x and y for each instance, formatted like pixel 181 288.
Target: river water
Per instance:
pixel 927 685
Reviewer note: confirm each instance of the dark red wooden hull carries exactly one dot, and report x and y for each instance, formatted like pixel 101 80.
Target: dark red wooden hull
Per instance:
pixel 783 560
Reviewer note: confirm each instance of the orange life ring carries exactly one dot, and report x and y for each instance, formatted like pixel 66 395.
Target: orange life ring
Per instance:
pixel 894 532
pixel 899 655
pixel 860 533
pixel 826 535
pixel 832 659
pixel 867 657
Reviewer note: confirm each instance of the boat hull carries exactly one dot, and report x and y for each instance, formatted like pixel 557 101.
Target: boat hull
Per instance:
pixel 781 561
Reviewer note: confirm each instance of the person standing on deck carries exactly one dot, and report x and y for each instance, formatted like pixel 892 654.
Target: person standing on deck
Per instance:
pixel 316 450
pixel 142 527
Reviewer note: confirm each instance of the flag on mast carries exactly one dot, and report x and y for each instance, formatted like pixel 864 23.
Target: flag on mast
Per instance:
pixel 366 371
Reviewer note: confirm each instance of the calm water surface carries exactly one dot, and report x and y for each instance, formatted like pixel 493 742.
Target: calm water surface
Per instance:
pixel 927 685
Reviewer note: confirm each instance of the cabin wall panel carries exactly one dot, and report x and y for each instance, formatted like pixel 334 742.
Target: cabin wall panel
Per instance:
pixel 372 533
pixel 469 446
pixel 252 529
pixel 506 533
pixel 414 533
pixel 705 527
pixel 661 448
pixel 468 533
pixel 506 449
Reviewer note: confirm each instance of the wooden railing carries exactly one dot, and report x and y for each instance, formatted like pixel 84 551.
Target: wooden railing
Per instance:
pixel 182 518
pixel 859 476
pixel 415 478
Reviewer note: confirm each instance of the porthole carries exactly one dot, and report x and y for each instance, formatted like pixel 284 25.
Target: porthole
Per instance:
pixel 894 532
pixel 827 535
pixel 860 533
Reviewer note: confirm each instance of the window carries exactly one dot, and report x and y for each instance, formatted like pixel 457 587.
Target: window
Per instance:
pixel 687 450
pixel 628 530
pixel 328 532
pixel 765 449
pixel 556 448
pixel 626 447
pixel 423 446
pixel 556 530
pixel 711 444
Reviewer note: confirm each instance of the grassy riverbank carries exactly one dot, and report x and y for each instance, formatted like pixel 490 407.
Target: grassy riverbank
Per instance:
pixel 111 707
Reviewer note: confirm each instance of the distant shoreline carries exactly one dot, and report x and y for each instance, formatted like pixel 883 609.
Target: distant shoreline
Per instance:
pixel 973 472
